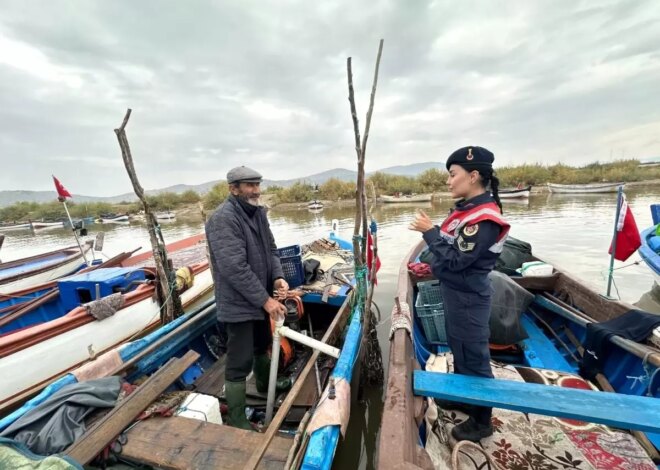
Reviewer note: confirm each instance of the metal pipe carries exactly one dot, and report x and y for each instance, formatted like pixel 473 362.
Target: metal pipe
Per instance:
pixel 307 341
pixel 316 363
pixel 274 365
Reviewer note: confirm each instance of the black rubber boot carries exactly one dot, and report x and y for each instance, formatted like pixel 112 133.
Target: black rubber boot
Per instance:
pixel 261 369
pixel 470 430
pixel 235 395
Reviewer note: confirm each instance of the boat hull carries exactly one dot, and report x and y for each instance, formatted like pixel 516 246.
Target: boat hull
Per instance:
pixel 648 254
pixel 15 228
pixel 515 193
pixel 406 199
pixel 584 188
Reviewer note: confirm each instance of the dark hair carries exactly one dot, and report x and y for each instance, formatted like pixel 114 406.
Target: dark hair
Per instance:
pixel 488 178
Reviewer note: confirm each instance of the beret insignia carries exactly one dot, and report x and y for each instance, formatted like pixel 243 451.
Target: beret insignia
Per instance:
pixel 470 230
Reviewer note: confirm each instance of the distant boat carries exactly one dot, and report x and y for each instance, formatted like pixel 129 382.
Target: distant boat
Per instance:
pixel 584 188
pixel 22 273
pixel 47 225
pixel 315 205
pixel 514 193
pixel 650 249
pixel 114 218
pixel 407 198
pixel 165 216
pixel 15 227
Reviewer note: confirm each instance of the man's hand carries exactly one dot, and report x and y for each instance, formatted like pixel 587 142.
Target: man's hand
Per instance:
pixel 275 309
pixel 281 286
pixel 422 222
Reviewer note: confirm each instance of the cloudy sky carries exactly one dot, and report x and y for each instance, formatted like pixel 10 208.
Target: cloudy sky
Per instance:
pixel 215 84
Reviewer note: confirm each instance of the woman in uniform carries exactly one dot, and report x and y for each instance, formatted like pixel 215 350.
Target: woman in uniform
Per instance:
pixel 465 248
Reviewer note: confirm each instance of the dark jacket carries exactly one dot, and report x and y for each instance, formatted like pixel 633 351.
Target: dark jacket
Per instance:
pixel 465 267
pixel 244 260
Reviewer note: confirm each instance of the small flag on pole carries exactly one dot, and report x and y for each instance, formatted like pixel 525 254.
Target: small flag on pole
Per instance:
pixel 627 234
pixel 61 190
pixel 370 256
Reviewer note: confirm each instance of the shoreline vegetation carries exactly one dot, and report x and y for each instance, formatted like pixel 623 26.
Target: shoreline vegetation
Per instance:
pixel 336 193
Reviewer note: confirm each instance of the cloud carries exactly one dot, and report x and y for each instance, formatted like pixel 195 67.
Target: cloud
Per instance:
pixel 215 84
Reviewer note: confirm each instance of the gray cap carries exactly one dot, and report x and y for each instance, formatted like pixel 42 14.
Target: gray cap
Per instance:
pixel 243 174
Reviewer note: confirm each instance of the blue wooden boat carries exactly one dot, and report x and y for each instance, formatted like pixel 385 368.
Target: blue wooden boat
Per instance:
pixel 531 377
pixel 650 249
pixel 332 320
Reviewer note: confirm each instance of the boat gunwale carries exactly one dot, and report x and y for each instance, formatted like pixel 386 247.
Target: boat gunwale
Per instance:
pixel 74 254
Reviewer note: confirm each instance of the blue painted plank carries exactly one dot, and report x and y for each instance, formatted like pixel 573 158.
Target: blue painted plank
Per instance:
pixel 611 409
pixel 540 352
pixel 323 442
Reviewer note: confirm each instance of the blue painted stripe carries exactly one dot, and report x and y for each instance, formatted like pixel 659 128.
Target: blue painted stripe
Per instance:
pixel 36 401
pixel 323 442
pixel 611 409
pixel 540 352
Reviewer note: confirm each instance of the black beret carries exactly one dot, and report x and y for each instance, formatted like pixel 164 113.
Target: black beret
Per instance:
pixel 472 158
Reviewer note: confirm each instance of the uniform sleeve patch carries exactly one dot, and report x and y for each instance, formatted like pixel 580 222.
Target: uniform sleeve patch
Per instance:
pixel 470 230
pixel 463 245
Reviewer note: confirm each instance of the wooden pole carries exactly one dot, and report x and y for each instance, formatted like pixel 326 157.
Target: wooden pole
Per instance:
pixel 170 303
pixel 357 252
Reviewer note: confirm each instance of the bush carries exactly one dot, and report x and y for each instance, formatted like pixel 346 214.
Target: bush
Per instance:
pixel 298 192
pixel 216 195
pixel 335 189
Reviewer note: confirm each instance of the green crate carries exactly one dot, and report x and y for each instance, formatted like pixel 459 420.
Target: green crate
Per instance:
pixel 429 308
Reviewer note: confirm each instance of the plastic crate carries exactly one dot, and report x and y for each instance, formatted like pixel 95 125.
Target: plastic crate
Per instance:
pixel 292 265
pixel 430 310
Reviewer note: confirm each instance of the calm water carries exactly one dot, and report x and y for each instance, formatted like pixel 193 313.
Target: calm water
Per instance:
pixel 573 232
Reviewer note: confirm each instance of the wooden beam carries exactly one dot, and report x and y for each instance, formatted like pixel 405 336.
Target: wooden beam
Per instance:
pixel 331 333
pixel 616 410
pixel 112 424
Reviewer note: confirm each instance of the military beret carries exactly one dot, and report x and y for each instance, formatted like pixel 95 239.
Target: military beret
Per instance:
pixel 472 158
pixel 243 174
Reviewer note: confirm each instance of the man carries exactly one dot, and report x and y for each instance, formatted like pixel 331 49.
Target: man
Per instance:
pixel 246 270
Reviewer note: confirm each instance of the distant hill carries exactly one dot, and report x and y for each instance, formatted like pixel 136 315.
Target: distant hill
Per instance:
pixel 8 198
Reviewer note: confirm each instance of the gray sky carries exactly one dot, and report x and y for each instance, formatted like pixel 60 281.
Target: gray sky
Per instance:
pixel 215 84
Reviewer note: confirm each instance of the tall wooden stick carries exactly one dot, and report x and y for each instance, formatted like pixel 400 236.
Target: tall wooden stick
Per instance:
pixel 170 303
pixel 357 251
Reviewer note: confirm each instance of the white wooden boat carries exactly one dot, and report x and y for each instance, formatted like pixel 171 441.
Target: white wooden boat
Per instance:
pixel 15 227
pixel 165 215
pixel 584 188
pixel 514 193
pixel 77 337
pixel 315 205
pixel 26 272
pixel 114 219
pixel 404 198
pixel 47 225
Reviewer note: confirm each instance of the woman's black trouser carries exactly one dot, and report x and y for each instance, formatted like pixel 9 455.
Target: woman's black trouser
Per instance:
pixel 467 316
pixel 244 341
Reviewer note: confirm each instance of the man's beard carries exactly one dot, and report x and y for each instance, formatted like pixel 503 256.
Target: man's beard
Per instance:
pixel 253 201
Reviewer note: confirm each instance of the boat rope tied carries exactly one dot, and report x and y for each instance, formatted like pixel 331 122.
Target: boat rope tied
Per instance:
pixel 400 318
pixel 641 379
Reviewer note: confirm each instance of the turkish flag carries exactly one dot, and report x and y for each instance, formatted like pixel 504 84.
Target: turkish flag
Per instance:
pixel 627 234
pixel 370 255
pixel 61 190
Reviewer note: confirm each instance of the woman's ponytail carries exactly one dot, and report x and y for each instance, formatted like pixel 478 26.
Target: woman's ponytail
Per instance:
pixel 494 188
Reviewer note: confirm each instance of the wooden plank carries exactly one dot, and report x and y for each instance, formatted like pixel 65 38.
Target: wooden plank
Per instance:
pixel 540 351
pixel 112 424
pixel 178 443
pixel 616 410
pixel 331 334
pixel 213 378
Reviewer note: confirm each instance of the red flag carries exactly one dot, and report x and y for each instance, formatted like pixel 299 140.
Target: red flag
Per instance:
pixel 61 190
pixel 627 234
pixel 370 255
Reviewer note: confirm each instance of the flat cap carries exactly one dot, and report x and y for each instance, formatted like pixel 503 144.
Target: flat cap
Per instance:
pixel 472 158
pixel 243 174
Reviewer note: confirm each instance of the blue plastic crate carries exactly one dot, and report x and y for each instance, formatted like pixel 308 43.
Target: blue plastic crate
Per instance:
pixel 292 265
pixel 430 310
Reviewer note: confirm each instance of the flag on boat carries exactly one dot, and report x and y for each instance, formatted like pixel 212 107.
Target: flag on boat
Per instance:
pixel 370 255
pixel 61 190
pixel 627 235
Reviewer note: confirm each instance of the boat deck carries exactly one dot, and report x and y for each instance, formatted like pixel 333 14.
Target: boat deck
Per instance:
pixel 32 265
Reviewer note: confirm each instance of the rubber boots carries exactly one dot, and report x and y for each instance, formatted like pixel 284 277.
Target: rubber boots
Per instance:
pixel 471 430
pixel 235 395
pixel 261 369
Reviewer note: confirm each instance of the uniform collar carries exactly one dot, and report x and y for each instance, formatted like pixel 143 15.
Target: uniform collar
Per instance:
pixel 466 204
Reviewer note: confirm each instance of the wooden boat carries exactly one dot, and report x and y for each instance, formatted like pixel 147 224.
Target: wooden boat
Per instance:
pixel 39 269
pixel 515 193
pixel 114 218
pixel 15 227
pixel 584 188
pixel 403 198
pixel 556 325
pixel 223 446
pixel 47 225
pixel 164 216
pixel 314 205
pixel 650 249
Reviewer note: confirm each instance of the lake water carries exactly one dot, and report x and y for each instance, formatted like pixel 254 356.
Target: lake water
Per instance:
pixel 571 231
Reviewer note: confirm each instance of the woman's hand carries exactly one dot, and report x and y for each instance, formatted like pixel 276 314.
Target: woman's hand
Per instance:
pixel 422 222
